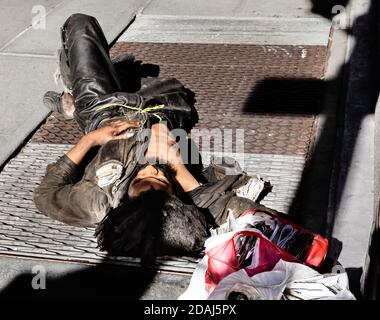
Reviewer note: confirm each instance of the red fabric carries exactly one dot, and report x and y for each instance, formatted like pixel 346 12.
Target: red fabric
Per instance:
pixel 317 252
pixel 222 259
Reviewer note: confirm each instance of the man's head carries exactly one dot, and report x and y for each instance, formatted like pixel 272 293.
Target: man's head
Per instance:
pixel 152 219
pixel 153 223
pixel 153 176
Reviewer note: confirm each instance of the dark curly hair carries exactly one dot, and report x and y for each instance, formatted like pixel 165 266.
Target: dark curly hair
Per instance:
pixel 155 223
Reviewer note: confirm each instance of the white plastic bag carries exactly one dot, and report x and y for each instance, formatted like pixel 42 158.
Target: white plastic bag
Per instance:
pixel 287 280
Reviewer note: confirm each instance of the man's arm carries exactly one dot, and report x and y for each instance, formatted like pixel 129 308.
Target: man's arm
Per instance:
pixel 185 178
pixel 163 146
pixel 60 195
pixel 99 137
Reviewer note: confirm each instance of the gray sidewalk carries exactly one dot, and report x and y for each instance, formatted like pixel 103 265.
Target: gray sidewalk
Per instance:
pixel 27 57
pixel 353 200
pixel 238 22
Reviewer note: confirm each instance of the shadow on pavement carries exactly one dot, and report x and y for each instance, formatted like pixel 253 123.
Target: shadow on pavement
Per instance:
pixel 100 282
pixel 282 96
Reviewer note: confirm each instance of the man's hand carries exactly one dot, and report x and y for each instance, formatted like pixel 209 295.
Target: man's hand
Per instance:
pixel 114 131
pixel 163 146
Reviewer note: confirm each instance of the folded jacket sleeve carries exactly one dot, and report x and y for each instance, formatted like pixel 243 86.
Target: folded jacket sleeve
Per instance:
pixel 214 196
pixel 62 196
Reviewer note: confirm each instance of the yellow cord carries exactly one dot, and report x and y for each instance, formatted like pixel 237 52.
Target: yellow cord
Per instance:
pixel 148 109
pixel 156 115
pixel 145 110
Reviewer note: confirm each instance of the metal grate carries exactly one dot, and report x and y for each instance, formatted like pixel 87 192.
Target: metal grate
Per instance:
pixel 272 92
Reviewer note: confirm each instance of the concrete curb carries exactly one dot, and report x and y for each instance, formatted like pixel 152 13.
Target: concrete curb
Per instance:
pixel 351 197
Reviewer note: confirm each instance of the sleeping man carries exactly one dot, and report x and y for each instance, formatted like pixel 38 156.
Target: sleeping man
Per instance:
pixel 126 175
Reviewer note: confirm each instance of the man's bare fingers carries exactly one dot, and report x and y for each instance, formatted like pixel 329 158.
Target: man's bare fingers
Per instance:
pixel 116 123
pixel 134 124
pixel 120 122
pixel 124 135
pixel 126 126
pixel 122 128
